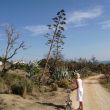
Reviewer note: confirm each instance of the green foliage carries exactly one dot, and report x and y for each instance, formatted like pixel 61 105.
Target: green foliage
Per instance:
pixel 20 66
pixel 65 68
pixel 60 73
pixel 33 68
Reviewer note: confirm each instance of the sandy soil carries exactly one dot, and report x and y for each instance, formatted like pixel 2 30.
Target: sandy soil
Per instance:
pixel 95 98
pixel 47 101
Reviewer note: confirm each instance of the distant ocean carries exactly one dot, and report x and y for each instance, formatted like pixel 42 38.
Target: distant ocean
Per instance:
pixel 104 62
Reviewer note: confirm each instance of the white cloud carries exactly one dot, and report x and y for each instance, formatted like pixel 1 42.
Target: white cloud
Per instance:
pixel 105 24
pixel 80 17
pixel 37 29
pixel 76 18
pixel 80 25
pixel 4 24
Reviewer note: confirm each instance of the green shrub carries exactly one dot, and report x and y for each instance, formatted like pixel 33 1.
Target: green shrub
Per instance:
pixel 18 86
pixel 17 89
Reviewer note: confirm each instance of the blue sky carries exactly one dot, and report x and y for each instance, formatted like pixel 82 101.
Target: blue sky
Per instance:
pixel 87 29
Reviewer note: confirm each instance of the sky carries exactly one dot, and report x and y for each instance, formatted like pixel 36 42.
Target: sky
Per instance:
pixel 87 27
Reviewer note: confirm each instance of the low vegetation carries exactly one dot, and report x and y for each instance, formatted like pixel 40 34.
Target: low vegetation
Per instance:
pixel 105 84
pixel 24 79
pixel 105 81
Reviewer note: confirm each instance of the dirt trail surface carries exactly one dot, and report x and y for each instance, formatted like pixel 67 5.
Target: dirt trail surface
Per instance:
pixel 47 101
pixel 95 98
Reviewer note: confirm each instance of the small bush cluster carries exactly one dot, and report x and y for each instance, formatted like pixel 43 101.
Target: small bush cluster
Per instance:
pixel 19 86
pixel 16 84
pixel 64 83
pixel 17 89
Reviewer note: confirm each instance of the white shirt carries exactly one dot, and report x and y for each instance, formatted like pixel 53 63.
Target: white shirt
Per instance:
pixel 80 84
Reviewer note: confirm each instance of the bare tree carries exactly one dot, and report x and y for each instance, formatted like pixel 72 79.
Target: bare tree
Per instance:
pixel 12 45
pixel 55 37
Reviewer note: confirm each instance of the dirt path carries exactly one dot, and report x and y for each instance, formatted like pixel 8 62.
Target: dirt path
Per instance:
pixel 95 96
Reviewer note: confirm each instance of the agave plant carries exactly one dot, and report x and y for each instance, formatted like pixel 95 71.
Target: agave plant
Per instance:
pixel 61 73
pixel 33 68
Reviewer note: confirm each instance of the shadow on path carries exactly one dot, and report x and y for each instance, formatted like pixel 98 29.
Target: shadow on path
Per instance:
pixel 58 107
pixel 91 82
